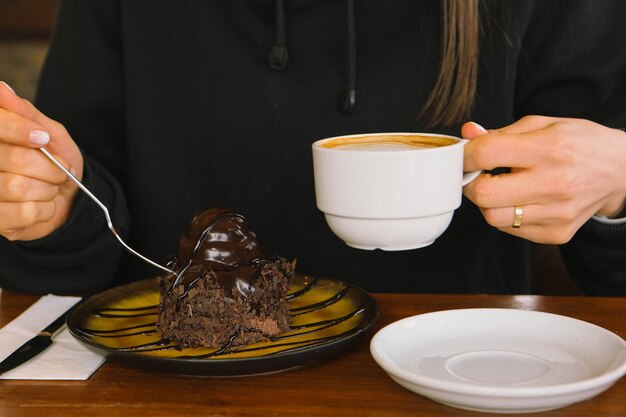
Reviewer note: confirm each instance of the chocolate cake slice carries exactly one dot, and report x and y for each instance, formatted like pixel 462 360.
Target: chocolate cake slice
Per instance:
pixel 228 291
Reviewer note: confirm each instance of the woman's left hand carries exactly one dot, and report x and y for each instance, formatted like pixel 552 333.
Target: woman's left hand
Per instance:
pixel 563 171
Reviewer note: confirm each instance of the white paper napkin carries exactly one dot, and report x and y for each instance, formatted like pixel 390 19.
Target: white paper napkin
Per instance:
pixel 65 359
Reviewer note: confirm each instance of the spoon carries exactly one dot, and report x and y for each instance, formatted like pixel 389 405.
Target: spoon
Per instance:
pixel 105 210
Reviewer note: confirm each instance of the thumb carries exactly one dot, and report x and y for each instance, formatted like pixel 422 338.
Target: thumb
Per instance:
pixel 13 103
pixel 41 130
pixel 471 130
pixel 7 86
pixel 17 127
pixel 10 101
pixel 52 129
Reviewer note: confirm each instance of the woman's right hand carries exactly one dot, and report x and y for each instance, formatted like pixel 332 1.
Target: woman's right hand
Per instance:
pixel 35 195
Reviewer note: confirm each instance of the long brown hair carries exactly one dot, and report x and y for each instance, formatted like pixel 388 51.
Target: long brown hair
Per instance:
pixel 451 99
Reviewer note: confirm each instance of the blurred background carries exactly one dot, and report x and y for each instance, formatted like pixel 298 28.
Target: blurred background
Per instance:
pixel 25 29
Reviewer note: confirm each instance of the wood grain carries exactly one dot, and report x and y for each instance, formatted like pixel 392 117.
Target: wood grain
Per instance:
pixel 349 385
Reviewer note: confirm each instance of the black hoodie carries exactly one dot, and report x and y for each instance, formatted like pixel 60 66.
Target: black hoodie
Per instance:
pixel 182 105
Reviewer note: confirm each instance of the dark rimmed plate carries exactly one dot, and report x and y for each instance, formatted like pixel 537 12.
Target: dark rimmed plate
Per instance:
pixel 327 317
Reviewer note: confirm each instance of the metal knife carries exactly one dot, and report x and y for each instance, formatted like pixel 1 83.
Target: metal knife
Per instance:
pixel 34 346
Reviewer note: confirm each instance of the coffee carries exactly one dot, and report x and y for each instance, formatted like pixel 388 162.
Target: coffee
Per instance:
pixel 388 142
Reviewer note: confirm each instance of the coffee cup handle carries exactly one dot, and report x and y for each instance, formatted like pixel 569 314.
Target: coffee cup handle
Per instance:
pixel 470 176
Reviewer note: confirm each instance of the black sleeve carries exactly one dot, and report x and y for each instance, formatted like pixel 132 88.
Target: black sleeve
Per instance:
pixel 573 65
pixel 81 86
pixel 78 258
pixel 596 258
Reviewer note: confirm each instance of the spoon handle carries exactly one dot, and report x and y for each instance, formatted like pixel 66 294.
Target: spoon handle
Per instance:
pixel 104 209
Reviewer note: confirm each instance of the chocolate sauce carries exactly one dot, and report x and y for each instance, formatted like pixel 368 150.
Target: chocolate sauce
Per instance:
pixel 220 240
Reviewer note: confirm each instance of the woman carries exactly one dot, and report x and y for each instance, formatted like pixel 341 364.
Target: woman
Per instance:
pixel 168 110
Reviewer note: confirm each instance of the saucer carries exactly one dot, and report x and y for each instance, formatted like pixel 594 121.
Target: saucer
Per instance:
pixel 500 360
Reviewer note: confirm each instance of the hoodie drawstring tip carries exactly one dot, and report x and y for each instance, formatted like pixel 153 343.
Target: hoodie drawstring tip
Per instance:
pixel 279 57
pixel 350 102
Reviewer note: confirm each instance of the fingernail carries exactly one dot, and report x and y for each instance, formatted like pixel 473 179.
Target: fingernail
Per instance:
pixel 8 86
pixel 72 171
pixel 479 127
pixel 39 137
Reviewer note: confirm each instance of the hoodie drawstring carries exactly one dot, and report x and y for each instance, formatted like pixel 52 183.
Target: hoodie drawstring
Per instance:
pixel 350 100
pixel 279 56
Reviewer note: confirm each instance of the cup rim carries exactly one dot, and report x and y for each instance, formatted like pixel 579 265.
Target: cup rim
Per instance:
pixel 317 145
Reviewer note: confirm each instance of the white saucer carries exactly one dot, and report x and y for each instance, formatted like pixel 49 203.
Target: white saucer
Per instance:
pixel 500 360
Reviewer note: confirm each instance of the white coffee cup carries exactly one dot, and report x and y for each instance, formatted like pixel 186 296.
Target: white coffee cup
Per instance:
pixel 392 191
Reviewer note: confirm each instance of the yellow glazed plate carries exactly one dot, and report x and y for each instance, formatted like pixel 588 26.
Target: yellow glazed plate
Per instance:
pixel 327 317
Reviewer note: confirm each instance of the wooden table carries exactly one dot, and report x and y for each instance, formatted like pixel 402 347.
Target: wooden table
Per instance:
pixel 351 384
